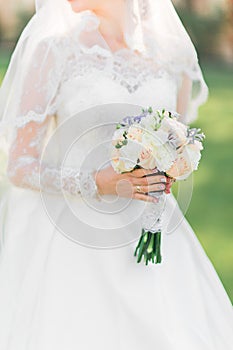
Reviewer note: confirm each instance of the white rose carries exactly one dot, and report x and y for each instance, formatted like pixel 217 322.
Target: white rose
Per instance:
pixel 154 139
pixel 192 152
pixel 135 133
pixel 180 169
pixel 129 155
pixel 168 124
pixel 147 160
pixel 164 157
pixel 176 130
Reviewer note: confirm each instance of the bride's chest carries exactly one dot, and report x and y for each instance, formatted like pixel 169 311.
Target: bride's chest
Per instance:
pixel 123 78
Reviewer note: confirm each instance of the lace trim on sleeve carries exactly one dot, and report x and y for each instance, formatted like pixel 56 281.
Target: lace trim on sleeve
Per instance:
pixel 21 121
pixel 26 169
pixel 27 173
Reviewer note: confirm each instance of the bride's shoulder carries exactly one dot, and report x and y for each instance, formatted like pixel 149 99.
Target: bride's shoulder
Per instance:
pixel 59 47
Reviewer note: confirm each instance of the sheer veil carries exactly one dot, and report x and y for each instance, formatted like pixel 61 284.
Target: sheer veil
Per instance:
pixel 151 26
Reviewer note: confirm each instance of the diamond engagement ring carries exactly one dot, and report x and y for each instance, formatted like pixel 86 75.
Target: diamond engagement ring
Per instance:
pixel 138 188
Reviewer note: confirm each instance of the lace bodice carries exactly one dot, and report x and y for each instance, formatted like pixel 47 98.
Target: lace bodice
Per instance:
pixel 98 77
pixel 80 78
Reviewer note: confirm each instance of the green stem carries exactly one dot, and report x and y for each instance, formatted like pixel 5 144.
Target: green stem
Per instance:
pixel 149 246
pixel 158 245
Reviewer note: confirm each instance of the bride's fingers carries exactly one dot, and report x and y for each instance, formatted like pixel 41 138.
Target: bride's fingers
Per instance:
pixel 143 172
pixel 155 179
pixel 144 197
pixel 150 188
pixel 144 181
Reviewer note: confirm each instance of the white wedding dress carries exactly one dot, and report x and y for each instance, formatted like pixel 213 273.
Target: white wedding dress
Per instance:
pixel 56 294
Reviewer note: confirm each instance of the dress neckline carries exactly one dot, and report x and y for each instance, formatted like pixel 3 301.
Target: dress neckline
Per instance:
pixel 91 23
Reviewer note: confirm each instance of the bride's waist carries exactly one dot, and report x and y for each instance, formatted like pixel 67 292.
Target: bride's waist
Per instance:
pixel 106 205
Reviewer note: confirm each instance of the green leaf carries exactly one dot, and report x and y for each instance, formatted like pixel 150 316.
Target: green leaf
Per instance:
pixel 150 110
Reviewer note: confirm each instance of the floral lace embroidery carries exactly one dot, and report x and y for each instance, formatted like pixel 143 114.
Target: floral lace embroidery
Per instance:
pixel 152 218
pixel 53 180
pixel 124 67
pixel 65 179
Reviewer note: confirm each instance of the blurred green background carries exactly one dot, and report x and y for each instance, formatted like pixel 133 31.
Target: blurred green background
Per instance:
pixel 211 211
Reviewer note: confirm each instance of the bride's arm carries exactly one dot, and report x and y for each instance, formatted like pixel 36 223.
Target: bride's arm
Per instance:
pixel 36 108
pixel 25 169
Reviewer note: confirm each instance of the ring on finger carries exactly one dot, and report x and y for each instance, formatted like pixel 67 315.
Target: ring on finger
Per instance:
pixel 138 188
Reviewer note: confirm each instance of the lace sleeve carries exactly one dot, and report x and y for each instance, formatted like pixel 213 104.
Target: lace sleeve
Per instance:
pixel 36 108
pixel 192 93
pixel 26 170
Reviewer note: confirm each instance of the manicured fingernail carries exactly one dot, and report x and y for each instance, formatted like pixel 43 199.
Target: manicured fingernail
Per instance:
pixel 155 170
pixel 162 187
pixel 163 179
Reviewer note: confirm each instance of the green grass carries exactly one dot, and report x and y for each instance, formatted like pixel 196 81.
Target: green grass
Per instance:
pixel 211 210
pixel 4 61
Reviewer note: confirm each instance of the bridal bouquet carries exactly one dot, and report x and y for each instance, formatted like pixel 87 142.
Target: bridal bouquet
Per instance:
pixel 155 139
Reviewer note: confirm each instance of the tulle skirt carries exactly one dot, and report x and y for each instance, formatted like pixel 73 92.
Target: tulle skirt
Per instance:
pixel 56 294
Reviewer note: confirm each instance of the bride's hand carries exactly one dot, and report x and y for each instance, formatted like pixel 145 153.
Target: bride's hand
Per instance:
pixel 169 184
pixel 126 185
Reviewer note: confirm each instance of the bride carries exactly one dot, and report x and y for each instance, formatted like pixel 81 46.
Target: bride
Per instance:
pixel 68 275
